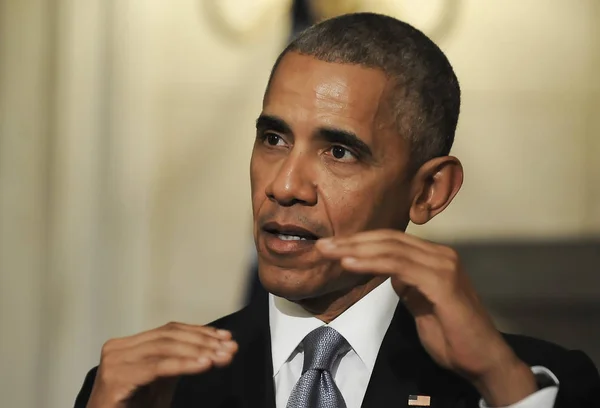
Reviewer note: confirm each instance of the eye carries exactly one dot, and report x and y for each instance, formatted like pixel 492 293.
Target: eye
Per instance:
pixel 342 154
pixel 273 139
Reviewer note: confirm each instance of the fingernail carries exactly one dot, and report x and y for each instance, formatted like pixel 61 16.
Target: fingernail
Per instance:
pixel 350 261
pixel 223 333
pixel 228 344
pixel 222 353
pixel 327 243
pixel 202 361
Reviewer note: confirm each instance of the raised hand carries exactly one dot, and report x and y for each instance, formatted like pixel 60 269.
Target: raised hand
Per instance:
pixel 151 360
pixel 452 323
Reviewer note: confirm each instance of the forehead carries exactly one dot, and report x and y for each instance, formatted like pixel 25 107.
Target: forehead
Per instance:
pixel 311 92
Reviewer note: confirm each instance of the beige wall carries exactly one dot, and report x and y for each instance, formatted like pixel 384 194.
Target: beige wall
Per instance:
pixel 529 127
pixel 125 132
pixel 23 123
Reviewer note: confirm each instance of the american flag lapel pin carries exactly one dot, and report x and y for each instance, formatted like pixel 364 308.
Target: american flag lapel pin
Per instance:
pixel 419 400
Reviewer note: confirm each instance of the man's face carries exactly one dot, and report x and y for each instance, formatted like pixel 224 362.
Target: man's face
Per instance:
pixel 328 161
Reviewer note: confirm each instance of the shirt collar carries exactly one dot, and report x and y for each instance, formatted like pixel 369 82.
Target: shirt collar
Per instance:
pixel 363 325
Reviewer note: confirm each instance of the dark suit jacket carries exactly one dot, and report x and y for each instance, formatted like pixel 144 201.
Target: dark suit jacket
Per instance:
pixel 402 368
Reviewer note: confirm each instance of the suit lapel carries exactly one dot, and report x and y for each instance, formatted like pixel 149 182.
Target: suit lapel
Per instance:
pixel 254 373
pixel 248 381
pixel 404 368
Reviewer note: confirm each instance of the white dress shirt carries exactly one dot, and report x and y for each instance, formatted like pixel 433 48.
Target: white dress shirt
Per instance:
pixel 363 325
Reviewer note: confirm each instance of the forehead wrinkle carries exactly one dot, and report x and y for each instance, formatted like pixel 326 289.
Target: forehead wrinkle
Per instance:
pixel 325 91
pixel 337 99
pixel 336 89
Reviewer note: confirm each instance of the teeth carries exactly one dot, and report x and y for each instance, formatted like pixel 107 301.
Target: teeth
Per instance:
pixel 290 237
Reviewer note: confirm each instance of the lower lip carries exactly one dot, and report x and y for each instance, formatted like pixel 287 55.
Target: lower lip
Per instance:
pixel 293 247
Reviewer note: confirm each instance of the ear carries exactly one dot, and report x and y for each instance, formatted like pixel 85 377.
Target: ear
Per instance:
pixel 433 187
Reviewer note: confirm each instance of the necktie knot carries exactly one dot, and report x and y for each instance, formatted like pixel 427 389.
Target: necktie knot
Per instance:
pixel 316 387
pixel 322 347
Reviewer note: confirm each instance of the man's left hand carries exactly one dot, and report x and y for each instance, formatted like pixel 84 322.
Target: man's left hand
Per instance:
pixel 451 321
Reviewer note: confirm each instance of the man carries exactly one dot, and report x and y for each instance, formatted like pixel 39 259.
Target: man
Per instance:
pixel 353 143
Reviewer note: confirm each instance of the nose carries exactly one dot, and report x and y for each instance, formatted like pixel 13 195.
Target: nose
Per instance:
pixel 293 183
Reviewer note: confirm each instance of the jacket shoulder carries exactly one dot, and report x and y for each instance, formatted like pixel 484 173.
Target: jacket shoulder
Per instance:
pixel 86 389
pixel 578 376
pixel 233 322
pixel 533 350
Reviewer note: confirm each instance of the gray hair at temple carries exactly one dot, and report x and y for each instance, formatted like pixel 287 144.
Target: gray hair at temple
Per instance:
pixel 426 92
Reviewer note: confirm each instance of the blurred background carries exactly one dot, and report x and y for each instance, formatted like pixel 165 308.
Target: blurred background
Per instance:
pixel 125 136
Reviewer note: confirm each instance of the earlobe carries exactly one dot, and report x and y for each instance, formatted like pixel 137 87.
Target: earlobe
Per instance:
pixel 434 187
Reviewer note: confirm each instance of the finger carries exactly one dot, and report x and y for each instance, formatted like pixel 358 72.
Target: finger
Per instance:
pixel 173 329
pixel 215 332
pixel 167 347
pixel 218 358
pixel 388 247
pixel 382 235
pixel 378 265
pixel 171 367
pixel 404 273
pixel 222 358
pixel 404 270
pixel 441 260
pixel 199 339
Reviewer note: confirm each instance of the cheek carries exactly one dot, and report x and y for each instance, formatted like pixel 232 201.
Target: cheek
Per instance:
pixel 392 208
pixel 360 205
pixel 257 182
pixel 350 205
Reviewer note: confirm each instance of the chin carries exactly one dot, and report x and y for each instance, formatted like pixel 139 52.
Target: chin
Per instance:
pixel 287 287
pixel 299 285
pixel 293 285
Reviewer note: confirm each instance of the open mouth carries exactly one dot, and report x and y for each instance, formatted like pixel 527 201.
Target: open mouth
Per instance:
pixel 289 232
pixel 287 240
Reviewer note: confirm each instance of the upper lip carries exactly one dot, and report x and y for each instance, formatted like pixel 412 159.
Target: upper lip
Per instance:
pixel 289 229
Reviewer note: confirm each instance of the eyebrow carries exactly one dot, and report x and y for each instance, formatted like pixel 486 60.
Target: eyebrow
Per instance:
pixel 270 122
pixel 346 138
pixel 329 134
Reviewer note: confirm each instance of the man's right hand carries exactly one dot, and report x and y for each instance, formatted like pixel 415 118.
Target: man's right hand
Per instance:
pixel 130 363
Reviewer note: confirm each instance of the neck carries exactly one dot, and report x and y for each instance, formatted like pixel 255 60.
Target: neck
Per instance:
pixel 327 307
